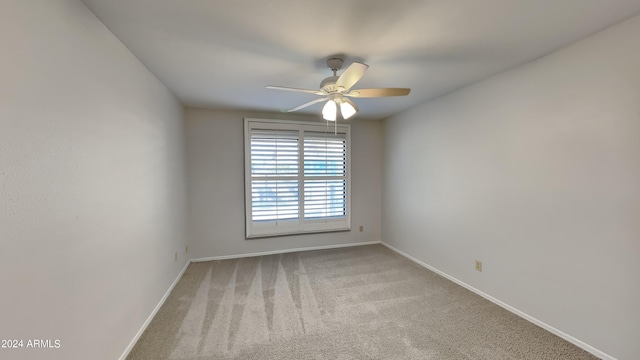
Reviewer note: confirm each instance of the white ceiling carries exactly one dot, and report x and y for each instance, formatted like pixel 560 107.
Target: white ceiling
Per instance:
pixel 221 53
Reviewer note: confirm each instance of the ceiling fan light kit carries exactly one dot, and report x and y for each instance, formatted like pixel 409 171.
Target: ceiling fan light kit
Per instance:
pixel 329 111
pixel 348 108
pixel 336 90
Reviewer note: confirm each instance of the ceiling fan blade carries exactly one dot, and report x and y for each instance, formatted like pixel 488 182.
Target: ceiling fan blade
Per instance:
pixel 316 92
pixel 382 92
pixel 351 75
pixel 308 104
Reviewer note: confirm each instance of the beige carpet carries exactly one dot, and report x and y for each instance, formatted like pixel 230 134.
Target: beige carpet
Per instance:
pixel 352 303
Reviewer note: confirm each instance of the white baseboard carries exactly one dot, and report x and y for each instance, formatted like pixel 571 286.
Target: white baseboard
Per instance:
pixel 274 252
pixel 153 313
pixel 551 329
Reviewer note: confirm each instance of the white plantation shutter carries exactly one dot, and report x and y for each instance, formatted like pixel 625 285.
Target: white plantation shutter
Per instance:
pixel 274 175
pixel 297 177
pixel 325 171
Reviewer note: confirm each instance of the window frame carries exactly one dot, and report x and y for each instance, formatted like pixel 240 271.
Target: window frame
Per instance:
pixel 300 225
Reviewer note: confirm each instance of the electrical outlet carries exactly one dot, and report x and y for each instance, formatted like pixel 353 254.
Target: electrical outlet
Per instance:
pixel 361 228
pixel 186 249
pixel 478 265
pixel 176 257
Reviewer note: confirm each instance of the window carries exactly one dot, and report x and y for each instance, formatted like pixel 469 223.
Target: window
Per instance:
pixel 296 177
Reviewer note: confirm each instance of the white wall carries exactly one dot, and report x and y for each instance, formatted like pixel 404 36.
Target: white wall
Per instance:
pixel 92 189
pixel 215 163
pixel 536 172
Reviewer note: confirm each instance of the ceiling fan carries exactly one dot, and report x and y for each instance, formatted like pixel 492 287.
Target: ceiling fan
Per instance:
pixel 336 90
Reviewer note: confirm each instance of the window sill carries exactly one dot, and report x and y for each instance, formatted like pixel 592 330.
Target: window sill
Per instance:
pixel 293 233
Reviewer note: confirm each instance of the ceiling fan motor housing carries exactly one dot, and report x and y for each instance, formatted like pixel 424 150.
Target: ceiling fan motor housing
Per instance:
pixel 329 84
